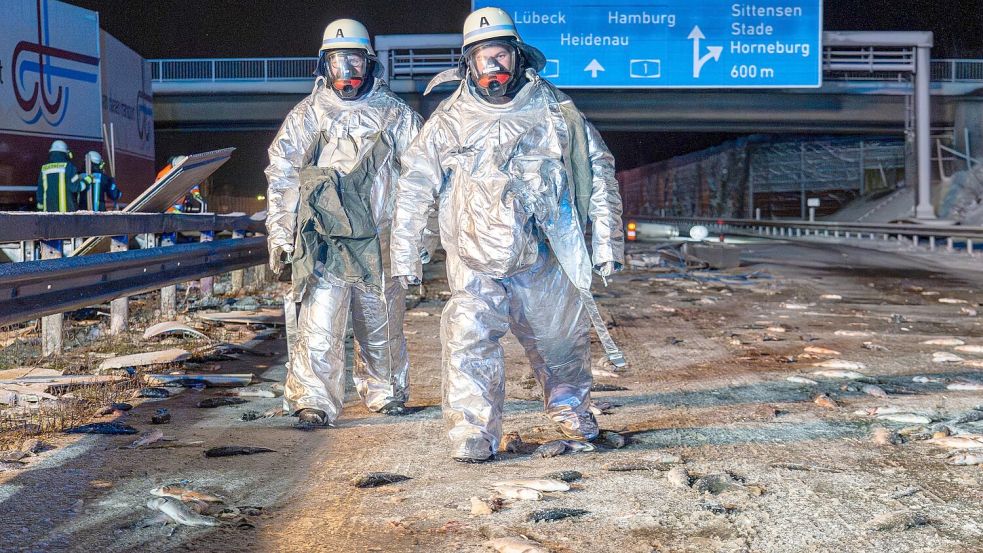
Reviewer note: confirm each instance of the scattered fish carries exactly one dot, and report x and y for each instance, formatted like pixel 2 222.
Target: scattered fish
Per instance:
pixel 853 333
pixel 114 427
pixel 161 416
pixel 907 418
pixel 799 466
pixel 820 351
pixel 974 363
pixel 607 388
pixel 246 392
pixel 230 450
pixel 714 483
pixel 926 380
pixel 831 297
pixel 794 306
pixel 185 494
pixel 874 347
pixel 873 390
pixel 973 415
pixel 249 416
pixel 113 407
pixel 627 466
pixel 153 392
pixel 214 402
pixel 946 357
pixel 802 380
pixel 575 446
pixel 679 477
pixel 515 545
pixel 147 438
pixel 565 475
pixel 180 513
pixel 965 386
pixel 953 301
pixel 518 492
pixel 968 311
pixel 971 441
pixel 776 329
pixel 611 439
pixel 944 342
pixel 376 479
pixel 841 364
pixel 824 400
pixel 841 373
pixel 966 459
pixel 550 449
pixel 969 349
pixel 601 373
pixel 540 484
pixel 13 456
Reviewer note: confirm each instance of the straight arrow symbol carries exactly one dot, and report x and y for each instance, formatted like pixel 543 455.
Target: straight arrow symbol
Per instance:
pixel 594 67
pixel 699 61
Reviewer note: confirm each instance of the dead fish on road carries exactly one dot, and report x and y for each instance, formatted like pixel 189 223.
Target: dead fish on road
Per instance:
pixel 153 393
pixel 823 400
pixel 679 477
pixel 556 448
pixel 820 351
pixel 230 450
pixel 611 439
pixel 515 545
pixel 147 438
pixel 907 418
pixel 565 475
pixel 802 380
pixel 376 479
pixel 966 459
pixel 946 357
pixel 965 386
pixel 246 392
pixel 969 349
pixel 972 415
pixel 607 388
pixel 952 301
pixel 185 494
pixel 519 492
pixel 103 428
pixel 552 515
pixel 842 364
pixel 853 333
pixel 160 417
pixel 926 380
pixel 627 465
pixel 113 407
pixel 873 390
pixel 944 342
pixel 179 512
pixel 799 466
pixel 971 441
pixel 214 402
pixel 601 373
pixel 541 484
pixel 841 373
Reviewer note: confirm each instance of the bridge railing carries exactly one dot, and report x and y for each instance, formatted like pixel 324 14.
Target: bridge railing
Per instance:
pixel 233 69
pixel 54 284
pixel 957 70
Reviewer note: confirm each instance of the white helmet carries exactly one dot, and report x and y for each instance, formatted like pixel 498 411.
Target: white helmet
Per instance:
pixel 95 158
pixel 346 33
pixel 59 146
pixel 488 23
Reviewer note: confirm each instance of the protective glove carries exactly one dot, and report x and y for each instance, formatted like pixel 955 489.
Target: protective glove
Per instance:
pixel 606 269
pixel 406 281
pixel 280 257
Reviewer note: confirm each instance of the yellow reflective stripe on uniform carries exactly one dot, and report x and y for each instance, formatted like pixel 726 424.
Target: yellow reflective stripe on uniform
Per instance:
pixel 62 193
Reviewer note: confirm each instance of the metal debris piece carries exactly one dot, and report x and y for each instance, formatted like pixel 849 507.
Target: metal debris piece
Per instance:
pixel 196 380
pixel 175 355
pixel 230 450
pixel 172 327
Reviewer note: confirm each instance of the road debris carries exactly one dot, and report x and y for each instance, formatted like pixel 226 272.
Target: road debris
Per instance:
pixel 946 357
pixel 679 477
pixel 376 479
pixel 944 342
pixel 271 317
pixel 565 475
pixel 247 392
pixel 164 357
pixel 853 333
pixel 181 493
pixel 161 416
pixel 966 459
pixel 841 373
pixel 519 492
pixel 153 393
pixel 874 390
pixel 601 373
pixel 147 438
pixel 231 450
pixel 954 301
pixel 198 380
pixel 965 386
pixel 969 349
pixel 823 400
pixel 610 439
pixel 598 387
pixel 802 380
pixel 907 418
pixel 840 364
pixel 874 347
pixel 540 484
pixel 885 436
pixel 820 351
pixel 480 507
pixel 969 441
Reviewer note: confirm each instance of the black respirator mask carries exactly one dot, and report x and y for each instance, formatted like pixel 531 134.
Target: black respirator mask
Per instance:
pixel 492 66
pixel 345 71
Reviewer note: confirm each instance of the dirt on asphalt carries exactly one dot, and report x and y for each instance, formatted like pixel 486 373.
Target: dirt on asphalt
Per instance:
pixel 769 469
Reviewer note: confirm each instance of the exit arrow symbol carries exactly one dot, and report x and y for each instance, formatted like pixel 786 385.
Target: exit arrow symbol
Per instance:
pixel 713 51
pixel 594 67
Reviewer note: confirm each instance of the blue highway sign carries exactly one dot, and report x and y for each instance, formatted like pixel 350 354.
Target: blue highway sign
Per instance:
pixel 673 43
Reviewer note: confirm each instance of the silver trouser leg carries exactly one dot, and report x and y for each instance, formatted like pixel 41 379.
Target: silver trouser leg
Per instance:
pixel 317 370
pixel 473 322
pixel 290 314
pixel 377 322
pixel 550 322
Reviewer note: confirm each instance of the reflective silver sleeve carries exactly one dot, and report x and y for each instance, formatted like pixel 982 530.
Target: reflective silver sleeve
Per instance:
pixel 605 202
pixel 421 177
pixel 289 152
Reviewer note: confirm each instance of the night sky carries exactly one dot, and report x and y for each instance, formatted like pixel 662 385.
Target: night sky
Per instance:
pixel 228 28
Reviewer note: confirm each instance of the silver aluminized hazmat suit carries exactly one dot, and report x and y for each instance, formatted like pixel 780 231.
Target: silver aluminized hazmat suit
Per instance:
pixel 506 178
pixel 324 131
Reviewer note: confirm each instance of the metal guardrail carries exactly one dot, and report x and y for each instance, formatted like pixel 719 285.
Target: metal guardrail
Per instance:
pixel 233 69
pixel 55 284
pixel 952 236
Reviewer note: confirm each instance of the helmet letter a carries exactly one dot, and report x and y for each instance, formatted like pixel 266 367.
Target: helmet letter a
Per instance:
pixel 484 22
pixel 340 33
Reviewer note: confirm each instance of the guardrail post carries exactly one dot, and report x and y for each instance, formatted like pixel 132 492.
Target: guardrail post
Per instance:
pixel 969 246
pixel 168 294
pixel 239 275
pixel 51 326
pixel 207 282
pixel 119 310
pixel 931 243
pixel 948 244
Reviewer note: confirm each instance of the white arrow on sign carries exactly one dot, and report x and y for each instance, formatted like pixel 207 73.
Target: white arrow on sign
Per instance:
pixel 698 62
pixel 594 67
